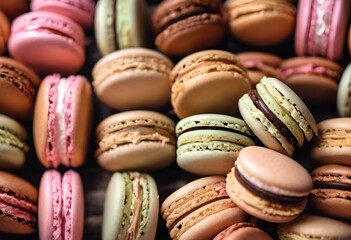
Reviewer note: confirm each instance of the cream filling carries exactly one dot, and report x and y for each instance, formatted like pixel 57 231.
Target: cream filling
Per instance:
pixel 60 123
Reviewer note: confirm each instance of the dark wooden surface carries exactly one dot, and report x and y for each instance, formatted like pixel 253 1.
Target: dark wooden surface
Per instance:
pixel 95 179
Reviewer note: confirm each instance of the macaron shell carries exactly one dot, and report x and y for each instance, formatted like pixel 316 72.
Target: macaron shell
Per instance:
pixel 304 12
pixel 73 205
pixel 332 144
pixel 343 99
pixel 315 226
pixel 144 71
pixel 243 231
pixel 332 201
pixel 81 12
pixel 104 26
pixel 65 41
pixel 261 23
pixel 14 8
pixel 4 31
pixel 18 88
pixel 127 157
pixel 50 204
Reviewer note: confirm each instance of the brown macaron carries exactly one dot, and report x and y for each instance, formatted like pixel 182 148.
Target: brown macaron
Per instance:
pixel 331 194
pixel 187 26
pixel 4 31
pixel 18 88
pixel 19 200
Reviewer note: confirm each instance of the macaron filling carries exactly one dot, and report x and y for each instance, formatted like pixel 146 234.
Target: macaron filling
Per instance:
pixel 67 201
pixel 10 139
pixel 18 207
pixel 261 105
pixel 319 31
pixel 332 185
pixel 265 194
pixel 309 68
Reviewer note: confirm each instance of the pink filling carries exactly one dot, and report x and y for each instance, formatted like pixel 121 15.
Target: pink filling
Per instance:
pixel 308 68
pixel 51 150
pixel 221 189
pixel 18 208
pixel 67 205
pixel 252 64
pixel 57 207
pixel 318 35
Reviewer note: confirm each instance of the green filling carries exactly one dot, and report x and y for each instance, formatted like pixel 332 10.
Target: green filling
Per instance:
pixel 124 31
pixel 127 209
pixel 144 184
pixel 7 138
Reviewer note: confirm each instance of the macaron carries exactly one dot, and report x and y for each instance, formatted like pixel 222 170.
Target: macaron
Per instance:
pixel 4 31
pixel 186 26
pixel 261 23
pixel 61 45
pixel 13 144
pixel 268 185
pixel 332 144
pixel 62 120
pixel 306 75
pixel 208 144
pixel 277 116
pixel 136 140
pixel 61 205
pixel 331 194
pixel 200 210
pixel 133 78
pixel 343 97
pixel 260 64
pixel 18 89
pixel 209 81
pixel 131 207
pixel 321 28
pixel 79 11
pixel 315 227
pixel 14 8
pixel 242 230
pixel 120 24
pixel 19 205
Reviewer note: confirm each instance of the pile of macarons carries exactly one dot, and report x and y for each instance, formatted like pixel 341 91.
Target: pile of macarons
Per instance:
pixel 177 119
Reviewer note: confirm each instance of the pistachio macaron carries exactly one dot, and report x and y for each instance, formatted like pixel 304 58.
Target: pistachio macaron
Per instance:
pixel 209 144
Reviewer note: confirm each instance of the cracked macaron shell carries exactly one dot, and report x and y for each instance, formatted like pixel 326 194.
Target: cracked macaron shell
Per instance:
pixel 181 26
pixel 120 205
pixel 332 191
pixel 333 145
pixel 139 76
pixel 200 208
pixel 343 98
pixel 136 140
pixel 208 144
pixel 18 88
pixel 216 74
pixel 272 173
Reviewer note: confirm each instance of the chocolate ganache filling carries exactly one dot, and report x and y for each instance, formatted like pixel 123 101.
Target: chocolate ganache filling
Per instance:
pixel 262 193
pixel 260 104
pixel 332 185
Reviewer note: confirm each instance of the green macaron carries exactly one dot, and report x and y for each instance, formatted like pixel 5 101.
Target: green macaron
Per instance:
pixel 209 144
pixel 277 116
pixel 131 207
pixel 12 143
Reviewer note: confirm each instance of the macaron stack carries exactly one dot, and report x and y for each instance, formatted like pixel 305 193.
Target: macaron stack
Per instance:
pixel 177 119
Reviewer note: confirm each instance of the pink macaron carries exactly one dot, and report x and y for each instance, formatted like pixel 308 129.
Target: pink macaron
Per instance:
pixel 321 28
pixel 81 11
pixel 62 120
pixel 61 206
pixel 47 42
